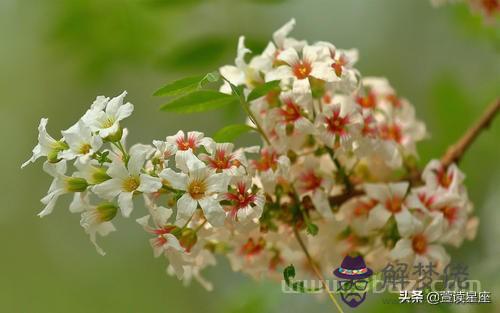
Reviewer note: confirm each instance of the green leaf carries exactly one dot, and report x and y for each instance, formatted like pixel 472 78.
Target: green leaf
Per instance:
pixel 289 274
pixel 199 101
pixel 186 85
pixel 180 86
pixel 231 132
pixel 263 90
pixel 312 229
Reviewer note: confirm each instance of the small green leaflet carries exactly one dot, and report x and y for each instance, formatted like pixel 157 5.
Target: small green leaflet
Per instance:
pixel 312 229
pixel 199 101
pixel 186 85
pixel 231 132
pixel 289 273
pixel 263 90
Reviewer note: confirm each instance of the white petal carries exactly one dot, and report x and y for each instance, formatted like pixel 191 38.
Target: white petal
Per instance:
pixel 378 216
pixel 280 35
pixel 406 222
pixel 114 104
pixel 213 211
pixel 109 189
pixel 435 229
pixel 186 207
pixel 173 179
pixel 149 183
pixel 402 249
pixel 125 203
pixel 289 56
pixel 124 111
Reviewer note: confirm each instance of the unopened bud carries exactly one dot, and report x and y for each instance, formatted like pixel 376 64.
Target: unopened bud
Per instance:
pixel 76 184
pixel 116 137
pixel 107 211
pixel 188 238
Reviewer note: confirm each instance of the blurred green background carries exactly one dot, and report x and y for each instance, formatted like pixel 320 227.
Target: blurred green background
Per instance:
pixel 57 55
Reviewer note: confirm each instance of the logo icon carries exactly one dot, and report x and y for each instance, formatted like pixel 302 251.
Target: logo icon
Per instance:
pixel 354 280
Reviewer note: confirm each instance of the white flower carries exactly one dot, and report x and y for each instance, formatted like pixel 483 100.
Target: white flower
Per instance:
pixel 312 181
pixel 96 219
pixel 338 124
pixel 61 184
pixel 128 179
pixel 164 239
pixel 438 177
pixel 242 73
pixel 47 146
pixel 245 203
pixel 81 141
pixel 453 208
pixel 314 62
pixel 164 151
pixel 104 115
pixel 223 159
pixel 192 141
pixel 422 245
pixel 391 202
pixel 271 168
pixel 201 186
pixel 291 117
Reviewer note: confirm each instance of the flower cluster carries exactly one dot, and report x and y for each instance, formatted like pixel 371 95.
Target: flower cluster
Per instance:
pixel 337 162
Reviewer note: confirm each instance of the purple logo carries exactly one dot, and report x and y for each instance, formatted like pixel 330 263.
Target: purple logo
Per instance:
pixel 354 280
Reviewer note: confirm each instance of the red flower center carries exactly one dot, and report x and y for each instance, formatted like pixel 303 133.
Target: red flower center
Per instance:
pixel 391 132
pixel 337 124
pixel 221 160
pixel 183 144
pixel 302 69
pixel 290 111
pixel 364 207
pixel 368 101
pixel 419 244
pixel 268 160
pixel 251 248
pixel 310 181
pixel 394 204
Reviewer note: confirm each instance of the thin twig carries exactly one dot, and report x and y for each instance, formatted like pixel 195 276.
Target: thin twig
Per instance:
pixel 457 150
pixel 316 270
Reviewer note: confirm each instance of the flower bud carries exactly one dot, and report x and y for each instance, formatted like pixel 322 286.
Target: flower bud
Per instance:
pixel 99 175
pixel 188 238
pixel 76 184
pixel 107 211
pixel 116 137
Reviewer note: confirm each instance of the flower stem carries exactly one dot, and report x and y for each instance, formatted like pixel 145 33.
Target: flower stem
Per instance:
pixel 457 150
pixel 246 108
pixel 316 270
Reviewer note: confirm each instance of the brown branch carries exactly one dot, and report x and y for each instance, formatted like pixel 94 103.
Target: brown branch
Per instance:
pixel 339 199
pixel 457 150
